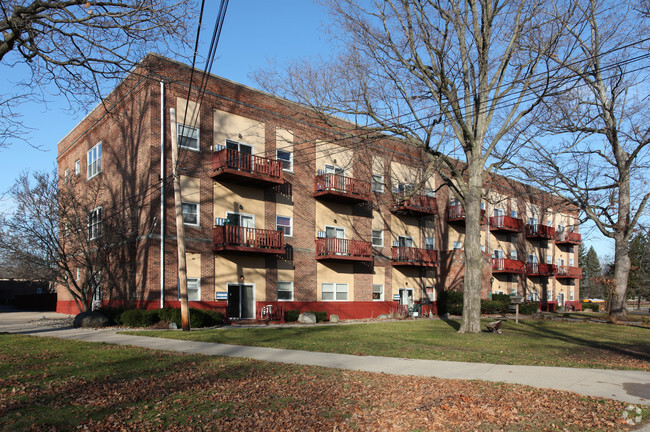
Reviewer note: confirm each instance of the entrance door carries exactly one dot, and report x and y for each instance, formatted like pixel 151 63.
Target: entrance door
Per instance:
pixel 406 297
pixel 244 159
pixel 560 300
pixel 241 301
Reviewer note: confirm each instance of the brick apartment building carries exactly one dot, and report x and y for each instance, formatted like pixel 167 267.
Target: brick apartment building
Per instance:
pixel 280 210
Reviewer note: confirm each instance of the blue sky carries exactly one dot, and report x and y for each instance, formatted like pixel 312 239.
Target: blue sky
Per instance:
pixel 254 31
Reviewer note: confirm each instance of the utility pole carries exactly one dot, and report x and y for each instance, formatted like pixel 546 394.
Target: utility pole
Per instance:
pixel 180 229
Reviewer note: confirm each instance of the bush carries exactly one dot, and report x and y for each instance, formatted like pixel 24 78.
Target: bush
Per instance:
pixel 112 313
pixel 494 307
pixel 291 315
pixel 593 306
pixel 500 297
pixel 198 317
pixel 529 308
pixel 139 318
pixel 320 316
pixel 451 302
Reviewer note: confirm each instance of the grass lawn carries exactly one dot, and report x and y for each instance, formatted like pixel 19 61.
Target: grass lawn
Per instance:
pixel 51 384
pixel 531 342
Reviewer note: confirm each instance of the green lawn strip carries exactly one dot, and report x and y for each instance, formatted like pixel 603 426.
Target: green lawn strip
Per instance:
pixel 531 342
pixel 59 384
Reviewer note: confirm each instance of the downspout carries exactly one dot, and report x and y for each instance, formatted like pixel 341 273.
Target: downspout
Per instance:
pixel 162 194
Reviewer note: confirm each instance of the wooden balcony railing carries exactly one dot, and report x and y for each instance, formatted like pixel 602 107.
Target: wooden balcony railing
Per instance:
pixel 414 256
pixel 269 312
pixel 233 165
pixel 566 272
pixel 540 269
pixel 416 204
pixel 236 238
pixel 568 237
pixel 540 231
pixel 341 187
pixel 343 249
pixel 506 223
pixel 507 265
pixel 456 213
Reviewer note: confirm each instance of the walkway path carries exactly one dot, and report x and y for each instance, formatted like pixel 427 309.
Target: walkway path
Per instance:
pixel 627 386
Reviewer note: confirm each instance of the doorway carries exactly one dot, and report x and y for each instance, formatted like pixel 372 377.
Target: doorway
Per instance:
pixel 241 301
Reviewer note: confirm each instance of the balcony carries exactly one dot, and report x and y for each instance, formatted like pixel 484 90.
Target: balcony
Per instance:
pixel 507 265
pixel 341 188
pixel 539 231
pixel 343 249
pixel 234 238
pixel 506 223
pixel 236 167
pixel 568 238
pixel 456 214
pixel 414 205
pixel 540 269
pixel 410 256
pixel 566 272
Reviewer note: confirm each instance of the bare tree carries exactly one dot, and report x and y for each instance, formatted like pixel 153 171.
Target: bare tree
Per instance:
pixel 451 77
pixel 591 142
pixel 59 234
pixel 76 47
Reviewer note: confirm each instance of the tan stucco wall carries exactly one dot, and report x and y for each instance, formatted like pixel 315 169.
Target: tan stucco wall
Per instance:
pixel 229 197
pixel 327 213
pixel 332 154
pixel 229 269
pixel 231 126
pixel 188 113
pixel 190 189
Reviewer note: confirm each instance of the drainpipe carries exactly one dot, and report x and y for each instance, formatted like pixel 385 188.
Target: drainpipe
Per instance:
pixel 162 194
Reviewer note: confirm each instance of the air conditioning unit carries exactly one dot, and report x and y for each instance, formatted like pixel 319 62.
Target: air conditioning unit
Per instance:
pixel 320 172
pixel 219 221
pixel 322 234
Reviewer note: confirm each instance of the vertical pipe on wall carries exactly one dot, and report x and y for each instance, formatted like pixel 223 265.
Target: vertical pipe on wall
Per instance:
pixel 162 194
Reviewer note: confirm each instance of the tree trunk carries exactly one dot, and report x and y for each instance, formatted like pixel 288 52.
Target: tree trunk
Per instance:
pixel 617 308
pixel 471 322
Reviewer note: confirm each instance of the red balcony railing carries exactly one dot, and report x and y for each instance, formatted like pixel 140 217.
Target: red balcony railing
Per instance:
pixel 507 265
pixel 416 204
pixel 414 256
pixel 506 223
pixel 236 238
pixel 343 249
pixel 566 272
pixel 540 269
pixel 233 165
pixel 540 231
pixel 568 237
pixel 456 213
pixel 341 187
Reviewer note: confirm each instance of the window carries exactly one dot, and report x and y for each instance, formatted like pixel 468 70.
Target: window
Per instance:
pixel 190 213
pixel 334 291
pixel 498 212
pixel 95 160
pixel 334 232
pixel 188 137
pixel 66 175
pixel 378 292
pixel 513 254
pixel 549 295
pixel 571 295
pixel 95 223
pixel 240 219
pixel 77 167
pixel 570 262
pixel 498 254
pixel 430 293
pixel 285 291
pixel 513 214
pixel 458 245
pixel 429 243
pixel 333 169
pixel 428 192
pixel 549 259
pixel 405 241
pixel 377 183
pixel 193 289
pixel 532 221
pixel 284 224
pixel 378 238
pixel 286 158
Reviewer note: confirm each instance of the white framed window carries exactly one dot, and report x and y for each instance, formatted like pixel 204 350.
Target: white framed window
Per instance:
pixel 513 254
pixel 570 262
pixel 284 224
pixel 77 167
pixel 549 259
pixel 513 214
pixel 78 276
pixel 190 213
pixel 95 223
pixel 378 238
pixel 193 289
pixel 498 254
pixel 498 212
pixel 571 295
pixel 483 248
pixel 560 262
pixel 430 293
pixel 377 183
pixel 334 232
pixel 378 292
pixel 429 243
pixel 405 241
pixel 458 245
pixel 66 175
pixel 94 156
pixel 286 157
pixel 188 137
pixel 334 292
pixel 285 291
pixel 241 219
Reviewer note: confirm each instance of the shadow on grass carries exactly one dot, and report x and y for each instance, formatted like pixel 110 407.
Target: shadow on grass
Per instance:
pixel 452 323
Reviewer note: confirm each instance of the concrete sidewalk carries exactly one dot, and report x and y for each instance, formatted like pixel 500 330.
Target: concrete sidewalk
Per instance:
pixel 627 386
